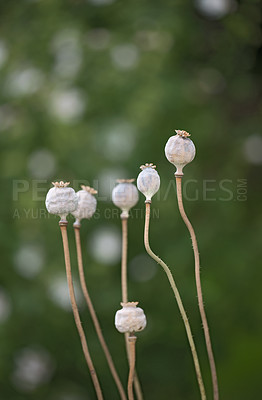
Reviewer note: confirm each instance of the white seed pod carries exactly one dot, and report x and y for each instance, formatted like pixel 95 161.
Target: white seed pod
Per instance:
pixel 86 203
pixel 180 150
pixel 125 196
pixel 148 181
pixel 130 318
pixel 61 200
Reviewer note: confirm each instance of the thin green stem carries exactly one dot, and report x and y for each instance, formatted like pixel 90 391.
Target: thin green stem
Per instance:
pixel 179 302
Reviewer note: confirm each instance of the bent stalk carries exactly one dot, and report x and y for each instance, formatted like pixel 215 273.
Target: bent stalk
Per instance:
pixel 178 299
pixel 199 288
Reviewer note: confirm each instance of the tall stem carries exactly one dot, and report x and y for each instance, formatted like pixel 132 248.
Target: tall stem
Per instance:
pixel 199 288
pixel 137 385
pixel 63 227
pixel 179 302
pixel 124 261
pixel 132 363
pixel 94 316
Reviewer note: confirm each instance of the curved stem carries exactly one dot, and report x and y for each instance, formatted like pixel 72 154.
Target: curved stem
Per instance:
pixel 137 385
pixel 132 363
pixel 94 316
pixel 199 288
pixel 63 227
pixel 179 302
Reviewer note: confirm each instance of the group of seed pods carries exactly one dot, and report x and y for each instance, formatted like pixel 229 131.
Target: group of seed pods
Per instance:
pixel 63 200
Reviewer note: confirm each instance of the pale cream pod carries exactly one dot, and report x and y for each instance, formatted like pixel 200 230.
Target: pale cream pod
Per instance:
pixel 180 150
pixel 61 200
pixel 125 196
pixel 148 181
pixel 130 318
pixel 86 204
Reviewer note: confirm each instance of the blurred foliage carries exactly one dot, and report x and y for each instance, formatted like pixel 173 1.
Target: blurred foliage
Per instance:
pixel 90 90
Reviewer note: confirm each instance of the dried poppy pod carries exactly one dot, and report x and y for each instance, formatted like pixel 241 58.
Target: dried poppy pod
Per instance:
pixel 61 200
pixel 148 181
pixel 180 150
pixel 130 318
pixel 125 196
pixel 86 204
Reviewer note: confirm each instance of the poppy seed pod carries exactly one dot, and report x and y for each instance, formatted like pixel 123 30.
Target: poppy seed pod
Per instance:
pixel 125 196
pixel 61 200
pixel 180 150
pixel 148 181
pixel 86 204
pixel 130 318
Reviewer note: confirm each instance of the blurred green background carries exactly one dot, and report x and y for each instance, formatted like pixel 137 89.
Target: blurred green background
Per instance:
pixel 90 90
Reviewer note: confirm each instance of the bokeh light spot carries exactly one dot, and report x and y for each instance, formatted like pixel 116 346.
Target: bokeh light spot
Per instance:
pixel 125 56
pixel 33 367
pixel 153 40
pixel 59 293
pixel 67 105
pixel 253 149
pixel 215 9
pixel 29 260
pixel 67 52
pixel 41 164
pixel 24 81
pixel 117 141
pixel 105 245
